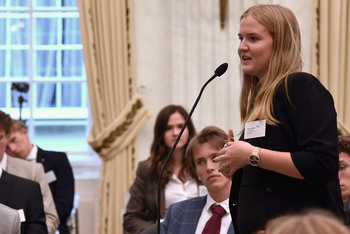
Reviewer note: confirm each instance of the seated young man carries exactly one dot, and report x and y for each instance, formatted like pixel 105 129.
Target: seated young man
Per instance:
pixel 19 193
pixel 59 173
pixel 194 215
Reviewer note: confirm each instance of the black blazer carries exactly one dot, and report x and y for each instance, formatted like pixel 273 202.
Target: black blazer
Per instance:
pixel 63 188
pixel 19 193
pixel 307 129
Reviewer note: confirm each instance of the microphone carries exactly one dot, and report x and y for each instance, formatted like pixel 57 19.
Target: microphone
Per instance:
pixel 218 72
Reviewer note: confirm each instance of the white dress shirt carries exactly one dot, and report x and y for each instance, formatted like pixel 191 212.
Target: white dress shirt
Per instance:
pixel 3 162
pixel 176 191
pixel 32 154
pixel 206 215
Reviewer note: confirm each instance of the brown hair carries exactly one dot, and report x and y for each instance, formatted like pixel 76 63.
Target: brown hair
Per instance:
pixel 344 144
pixel 213 135
pixel 256 100
pixel 159 150
pixel 5 122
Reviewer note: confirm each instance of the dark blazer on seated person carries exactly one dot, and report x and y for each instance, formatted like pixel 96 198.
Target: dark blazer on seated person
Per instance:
pixel 62 187
pixel 35 171
pixel 184 217
pixel 24 195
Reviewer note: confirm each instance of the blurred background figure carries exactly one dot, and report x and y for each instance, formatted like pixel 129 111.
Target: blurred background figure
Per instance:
pixel 344 173
pixel 19 193
pixel 313 221
pixel 59 173
pixel 176 185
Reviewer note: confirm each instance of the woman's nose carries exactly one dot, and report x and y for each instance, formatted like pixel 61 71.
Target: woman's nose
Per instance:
pixel 242 46
pixel 176 131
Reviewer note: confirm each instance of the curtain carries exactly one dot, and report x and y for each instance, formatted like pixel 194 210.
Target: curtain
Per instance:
pixel 118 114
pixel 331 54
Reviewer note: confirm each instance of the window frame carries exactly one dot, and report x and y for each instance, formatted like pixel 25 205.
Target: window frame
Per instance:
pixel 76 115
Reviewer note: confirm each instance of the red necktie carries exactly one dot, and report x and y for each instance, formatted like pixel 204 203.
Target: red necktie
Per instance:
pixel 214 223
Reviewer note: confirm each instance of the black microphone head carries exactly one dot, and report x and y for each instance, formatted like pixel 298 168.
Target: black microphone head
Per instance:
pixel 221 69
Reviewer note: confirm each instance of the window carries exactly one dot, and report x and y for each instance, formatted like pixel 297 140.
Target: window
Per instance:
pixel 40 46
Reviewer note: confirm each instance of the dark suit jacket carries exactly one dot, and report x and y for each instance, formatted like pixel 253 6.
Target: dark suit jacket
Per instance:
pixel 63 188
pixel 307 129
pixel 182 217
pixel 19 193
pixel 141 211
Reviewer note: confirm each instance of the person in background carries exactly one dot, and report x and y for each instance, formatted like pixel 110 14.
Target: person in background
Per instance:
pixel 10 222
pixel 176 184
pixel 287 156
pixel 310 221
pixel 25 196
pixel 59 173
pixel 35 172
pixel 19 193
pixel 194 215
pixel 344 173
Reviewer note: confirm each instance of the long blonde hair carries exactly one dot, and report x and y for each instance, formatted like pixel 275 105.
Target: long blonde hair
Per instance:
pixel 256 100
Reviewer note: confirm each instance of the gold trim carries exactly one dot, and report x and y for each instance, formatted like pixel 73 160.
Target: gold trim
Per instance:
pixel 122 128
pixel 223 10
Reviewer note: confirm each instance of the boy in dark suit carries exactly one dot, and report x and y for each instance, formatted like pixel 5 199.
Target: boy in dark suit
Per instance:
pixel 197 215
pixel 19 193
pixel 25 196
pixel 59 173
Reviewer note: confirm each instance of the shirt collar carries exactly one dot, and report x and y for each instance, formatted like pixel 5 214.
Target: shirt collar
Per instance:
pixel 32 154
pixel 3 163
pixel 211 201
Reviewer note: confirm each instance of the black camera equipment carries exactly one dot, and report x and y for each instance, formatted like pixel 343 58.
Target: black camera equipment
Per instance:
pixel 21 87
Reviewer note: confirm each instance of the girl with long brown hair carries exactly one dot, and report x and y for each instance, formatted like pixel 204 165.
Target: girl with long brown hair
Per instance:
pixel 177 184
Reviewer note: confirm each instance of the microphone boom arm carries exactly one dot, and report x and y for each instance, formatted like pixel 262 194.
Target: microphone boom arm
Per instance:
pixel 218 72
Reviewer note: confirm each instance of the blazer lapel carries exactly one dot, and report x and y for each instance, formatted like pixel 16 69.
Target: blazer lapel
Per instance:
pixel 192 215
pixel 10 165
pixel 5 188
pixel 40 158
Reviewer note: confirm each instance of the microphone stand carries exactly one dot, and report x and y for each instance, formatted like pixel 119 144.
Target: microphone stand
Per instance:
pixel 218 72
pixel 20 101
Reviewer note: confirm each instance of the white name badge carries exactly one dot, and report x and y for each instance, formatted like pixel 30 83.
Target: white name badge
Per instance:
pixel 22 217
pixel 255 129
pixel 50 176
